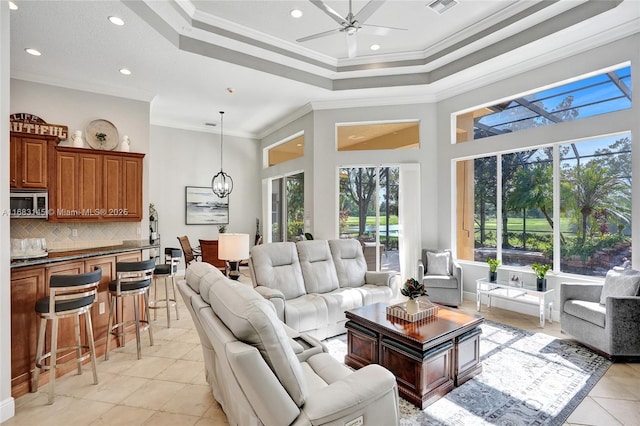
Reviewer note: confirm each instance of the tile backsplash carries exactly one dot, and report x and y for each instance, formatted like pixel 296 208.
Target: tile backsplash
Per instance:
pixel 61 236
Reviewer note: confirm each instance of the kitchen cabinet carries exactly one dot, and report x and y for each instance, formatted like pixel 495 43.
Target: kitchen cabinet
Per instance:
pixel 27 286
pixel 30 284
pixel 96 186
pixel 28 166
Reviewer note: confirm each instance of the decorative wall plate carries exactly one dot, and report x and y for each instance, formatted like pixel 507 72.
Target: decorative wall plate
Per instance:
pixel 101 134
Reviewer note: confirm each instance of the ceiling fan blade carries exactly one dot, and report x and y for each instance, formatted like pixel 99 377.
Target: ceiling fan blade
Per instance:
pixel 368 10
pixel 381 30
pixel 332 13
pixel 351 45
pixel 322 34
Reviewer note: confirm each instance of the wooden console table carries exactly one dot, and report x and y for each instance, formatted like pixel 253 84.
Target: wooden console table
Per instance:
pixel 428 357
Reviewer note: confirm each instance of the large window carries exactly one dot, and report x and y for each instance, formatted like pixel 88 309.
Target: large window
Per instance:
pixel 599 94
pixel 516 222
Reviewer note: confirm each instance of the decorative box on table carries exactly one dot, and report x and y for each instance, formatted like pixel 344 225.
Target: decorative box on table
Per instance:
pixel 405 310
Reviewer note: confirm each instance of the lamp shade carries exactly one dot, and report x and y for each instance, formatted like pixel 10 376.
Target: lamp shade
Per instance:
pixel 233 247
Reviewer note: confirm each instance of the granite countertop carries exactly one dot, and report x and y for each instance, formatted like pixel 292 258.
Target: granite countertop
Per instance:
pixel 62 256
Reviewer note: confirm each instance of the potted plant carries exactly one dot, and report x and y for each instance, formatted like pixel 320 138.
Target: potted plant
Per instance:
pixel 413 289
pixel 493 269
pixel 541 271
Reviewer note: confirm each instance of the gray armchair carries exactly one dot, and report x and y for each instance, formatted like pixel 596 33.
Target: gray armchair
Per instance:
pixel 442 276
pixel 610 328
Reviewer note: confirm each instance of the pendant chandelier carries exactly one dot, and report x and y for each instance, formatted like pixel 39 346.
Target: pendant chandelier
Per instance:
pixel 221 184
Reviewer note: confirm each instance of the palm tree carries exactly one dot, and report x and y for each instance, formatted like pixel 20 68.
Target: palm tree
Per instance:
pixel 592 187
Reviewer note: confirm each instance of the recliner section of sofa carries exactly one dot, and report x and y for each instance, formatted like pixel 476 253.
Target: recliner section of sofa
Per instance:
pixel 311 283
pixel 262 372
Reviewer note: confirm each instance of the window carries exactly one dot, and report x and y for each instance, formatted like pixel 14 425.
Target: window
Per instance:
pixel 599 94
pixel 285 151
pixel 516 222
pixel 365 137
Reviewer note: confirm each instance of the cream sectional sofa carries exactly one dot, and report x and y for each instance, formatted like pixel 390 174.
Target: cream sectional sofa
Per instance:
pixel 311 283
pixel 264 373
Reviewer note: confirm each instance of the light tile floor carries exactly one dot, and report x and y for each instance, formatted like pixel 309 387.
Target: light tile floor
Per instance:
pixel 167 386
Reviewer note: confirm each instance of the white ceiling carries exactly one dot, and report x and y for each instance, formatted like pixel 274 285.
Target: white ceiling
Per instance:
pixel 184 55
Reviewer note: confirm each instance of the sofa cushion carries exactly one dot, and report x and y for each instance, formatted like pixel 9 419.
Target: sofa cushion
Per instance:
pixel 307 313
pixel 251 319
pixel 276 265
pixel 318 270
pixel 341 300
pixel 438 263
pixel 372 293
pixel 195 272
pixel 589 311
pixel 620 283
pixel 441 281
pixel 349 260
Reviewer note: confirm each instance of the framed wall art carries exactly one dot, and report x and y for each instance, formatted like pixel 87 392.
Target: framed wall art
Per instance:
pixel 203 207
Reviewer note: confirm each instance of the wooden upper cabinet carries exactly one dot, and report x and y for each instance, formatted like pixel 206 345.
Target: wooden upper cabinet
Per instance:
pixel 97 186
pixel 28 161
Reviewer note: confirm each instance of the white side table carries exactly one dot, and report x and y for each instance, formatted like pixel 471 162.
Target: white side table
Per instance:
pixel 525 294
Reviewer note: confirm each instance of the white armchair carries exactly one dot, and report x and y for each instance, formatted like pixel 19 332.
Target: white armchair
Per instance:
pixel 442 276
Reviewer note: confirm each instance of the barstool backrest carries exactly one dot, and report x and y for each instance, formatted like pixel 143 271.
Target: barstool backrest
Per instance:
pixel 129 272
pixel 76 291
pixel 172 257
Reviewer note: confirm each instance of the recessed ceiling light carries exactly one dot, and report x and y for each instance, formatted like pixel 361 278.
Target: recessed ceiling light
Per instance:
pixel 13 6
pixel 374 47
pixel 32 51
pixel 125 71
pixel 115 20
pixel 296 13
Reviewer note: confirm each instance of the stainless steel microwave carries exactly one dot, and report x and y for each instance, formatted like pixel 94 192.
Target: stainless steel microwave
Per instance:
pixel 29 204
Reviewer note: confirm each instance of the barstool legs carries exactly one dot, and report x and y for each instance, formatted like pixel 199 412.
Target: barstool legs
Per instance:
pixel 121 326
pixel 168 301
pixel 53 355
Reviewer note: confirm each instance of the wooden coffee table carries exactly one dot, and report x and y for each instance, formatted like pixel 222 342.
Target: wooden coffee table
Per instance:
pixel 428 357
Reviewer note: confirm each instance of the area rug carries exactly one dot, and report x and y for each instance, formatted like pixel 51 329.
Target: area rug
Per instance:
pixel 527 379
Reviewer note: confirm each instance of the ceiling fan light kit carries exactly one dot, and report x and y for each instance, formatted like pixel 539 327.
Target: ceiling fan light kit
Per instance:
pixel 351 24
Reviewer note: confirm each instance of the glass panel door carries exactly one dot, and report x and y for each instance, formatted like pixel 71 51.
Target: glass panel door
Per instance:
pixel 369 213
pixel 287 208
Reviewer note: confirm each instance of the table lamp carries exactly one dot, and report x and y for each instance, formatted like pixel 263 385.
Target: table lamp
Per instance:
pixel 233 248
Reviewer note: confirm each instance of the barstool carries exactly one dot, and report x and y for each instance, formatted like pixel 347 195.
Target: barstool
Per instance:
pixel 172 258
pixel 69 296
pixel 133 279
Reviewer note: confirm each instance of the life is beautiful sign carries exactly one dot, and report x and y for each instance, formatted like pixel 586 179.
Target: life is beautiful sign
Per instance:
pixel 34 125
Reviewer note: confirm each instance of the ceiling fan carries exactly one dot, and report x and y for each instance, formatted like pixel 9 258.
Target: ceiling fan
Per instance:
pixel 351 23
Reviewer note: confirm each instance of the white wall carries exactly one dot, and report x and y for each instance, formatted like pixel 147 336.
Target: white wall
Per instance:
pixel 7 405
pixel 180 158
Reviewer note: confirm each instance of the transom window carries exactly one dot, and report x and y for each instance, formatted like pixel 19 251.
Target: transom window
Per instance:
pixel 599 94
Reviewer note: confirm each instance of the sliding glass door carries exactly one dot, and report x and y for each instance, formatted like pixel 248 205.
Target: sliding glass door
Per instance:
pixel 287 207
pixel 368 211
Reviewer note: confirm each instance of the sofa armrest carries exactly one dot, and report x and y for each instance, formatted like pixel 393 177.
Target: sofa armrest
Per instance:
pixel 274 296
pixel 420 269
pixel 456 271
pixel 371 391
pixel 621 322
pixel 379 278
pixel 589 292
pixel 265 393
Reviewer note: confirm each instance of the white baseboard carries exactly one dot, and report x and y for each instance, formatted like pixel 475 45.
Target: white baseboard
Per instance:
pixel 7 409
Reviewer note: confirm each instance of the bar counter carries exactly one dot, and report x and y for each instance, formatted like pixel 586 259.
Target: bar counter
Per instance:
pixel 63 256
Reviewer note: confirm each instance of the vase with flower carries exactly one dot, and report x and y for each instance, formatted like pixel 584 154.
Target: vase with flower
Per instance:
pixel 413 289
